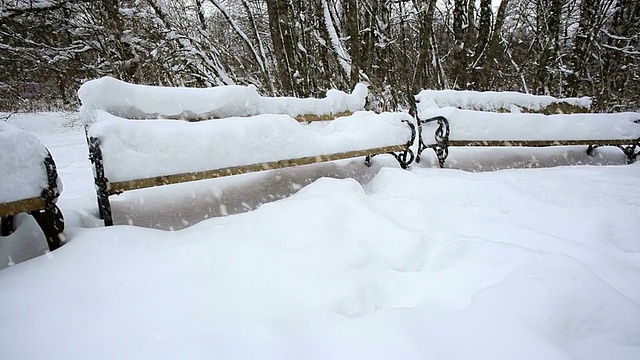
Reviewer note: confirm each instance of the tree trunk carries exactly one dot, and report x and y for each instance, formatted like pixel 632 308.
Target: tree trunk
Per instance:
pixel 426 74
pixel 620 84
pixel 460 52
pixel 480 53
pixel 278 27
pixel 581 49
pixel 491 52
pixel 548 18
pixel 353 32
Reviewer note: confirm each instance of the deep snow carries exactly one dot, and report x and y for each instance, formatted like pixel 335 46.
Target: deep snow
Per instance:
pixel 428 263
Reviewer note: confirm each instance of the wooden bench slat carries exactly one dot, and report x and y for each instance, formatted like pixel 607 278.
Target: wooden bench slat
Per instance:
pixel 193 118
pixel 20 206
pixel 327 117
pixel 539 143
pixel 118 187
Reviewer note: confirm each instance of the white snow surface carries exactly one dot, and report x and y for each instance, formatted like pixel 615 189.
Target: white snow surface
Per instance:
pixel 22 171
pixel 142 101
pixel 492 100
pixel 138 149
pixel 425 263
pixel 480 125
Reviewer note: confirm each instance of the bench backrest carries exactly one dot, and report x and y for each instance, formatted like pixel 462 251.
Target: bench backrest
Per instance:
pixel 502 101
pixel 132 101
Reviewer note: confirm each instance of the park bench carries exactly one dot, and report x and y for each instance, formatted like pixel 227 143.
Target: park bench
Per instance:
pixel 137 141
pixel 29 183
pixel 502 102
pixel 440 128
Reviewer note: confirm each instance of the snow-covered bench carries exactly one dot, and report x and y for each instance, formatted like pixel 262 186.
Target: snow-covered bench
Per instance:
pixel 449 118
pixel 442 128
pixel 129 153
pixel 29 183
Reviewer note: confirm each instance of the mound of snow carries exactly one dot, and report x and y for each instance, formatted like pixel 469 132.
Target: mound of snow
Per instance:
pixel 136 149
pixel 22 171
pixel 493 100
pixel 141 101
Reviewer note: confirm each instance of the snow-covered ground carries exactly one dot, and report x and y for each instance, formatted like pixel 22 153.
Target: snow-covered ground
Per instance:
pixel 375 263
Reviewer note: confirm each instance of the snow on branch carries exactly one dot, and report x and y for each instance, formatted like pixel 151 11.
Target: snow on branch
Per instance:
pixel 343 56
pixel 34 6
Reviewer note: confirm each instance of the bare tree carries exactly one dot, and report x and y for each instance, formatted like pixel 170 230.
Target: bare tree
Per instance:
pixel 427 72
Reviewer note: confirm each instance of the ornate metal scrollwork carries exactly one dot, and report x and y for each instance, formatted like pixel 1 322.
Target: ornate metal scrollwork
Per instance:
pixel 441 137
pixel 591 149
pixel 102 183
pixel 405 157
pixel 630 150
pixel 50 218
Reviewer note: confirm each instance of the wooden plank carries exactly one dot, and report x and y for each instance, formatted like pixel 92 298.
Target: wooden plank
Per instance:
pixel 21 206
pixel 540 143
pixel 300 118
pixel 118 187
pixel 314 117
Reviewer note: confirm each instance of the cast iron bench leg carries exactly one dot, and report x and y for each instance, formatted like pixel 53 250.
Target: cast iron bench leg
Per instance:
pixel 6 225
pixel 51 222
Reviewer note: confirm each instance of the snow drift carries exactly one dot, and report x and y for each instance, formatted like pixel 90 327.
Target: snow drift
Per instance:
pixel 417 264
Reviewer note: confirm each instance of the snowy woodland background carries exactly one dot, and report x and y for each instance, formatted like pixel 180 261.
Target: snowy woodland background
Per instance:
pixel 304 47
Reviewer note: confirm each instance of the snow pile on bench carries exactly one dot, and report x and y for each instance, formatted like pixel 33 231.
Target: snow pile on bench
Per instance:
pixel 134 149
pixel 477 125
pixel 22 171
pixel 495 101
pixel 141 101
